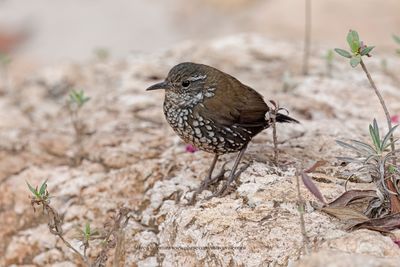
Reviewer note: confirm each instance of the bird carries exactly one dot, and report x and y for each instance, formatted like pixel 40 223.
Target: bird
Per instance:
pixel 214 112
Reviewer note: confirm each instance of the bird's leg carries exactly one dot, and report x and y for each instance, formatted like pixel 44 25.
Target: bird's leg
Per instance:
pixel 233 175
pixel 204 184
pixel 237 174
pixel 220 175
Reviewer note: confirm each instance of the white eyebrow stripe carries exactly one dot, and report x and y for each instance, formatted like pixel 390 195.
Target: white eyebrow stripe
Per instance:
pixel 196 78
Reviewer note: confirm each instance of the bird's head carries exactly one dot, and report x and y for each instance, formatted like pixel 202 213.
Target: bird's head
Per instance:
pixel 187 83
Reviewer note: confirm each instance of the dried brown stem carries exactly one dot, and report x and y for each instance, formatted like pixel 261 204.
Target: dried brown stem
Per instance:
pixel 301 205
pixel 307 36
pixel 120 221
pixel 79 129
pixel 55 226
pixel 274 136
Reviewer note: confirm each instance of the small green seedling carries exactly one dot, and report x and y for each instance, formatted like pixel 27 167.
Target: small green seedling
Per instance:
pixel 78 98
pixel 85 235
pixel 357 49
pixel 384 65
pixel 76 101
pixel 41 194
pixel 102 54
pixel 5 59
pixel 287 81
pixel 329 56
pixel 396 38
pixel 329 61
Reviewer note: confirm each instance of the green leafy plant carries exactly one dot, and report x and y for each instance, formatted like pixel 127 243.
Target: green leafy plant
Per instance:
pixel 86 235
pixel 329 62
pixel 358 50
pixel 374 160
pixel 77 99
pixel 41 197
pixel 396 38
pixel 5 61
pixel 102 54
pixel 110 239
pixel 288 82
pixel 41 194
pixel 388 71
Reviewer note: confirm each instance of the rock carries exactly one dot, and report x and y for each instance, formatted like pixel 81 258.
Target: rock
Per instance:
pixel 133 159
pixel 334 258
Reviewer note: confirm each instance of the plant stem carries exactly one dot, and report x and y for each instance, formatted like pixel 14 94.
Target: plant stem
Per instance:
pixel 300 206
pixel 307 36
pixel 275 138
pixel 382 101
pixel 83 257
pixel 395 202
pixel 55 223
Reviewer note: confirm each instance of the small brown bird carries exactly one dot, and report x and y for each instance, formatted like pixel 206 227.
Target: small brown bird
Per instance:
pixel 214 112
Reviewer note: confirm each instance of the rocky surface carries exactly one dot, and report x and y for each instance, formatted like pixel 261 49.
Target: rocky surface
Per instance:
pixel 133 159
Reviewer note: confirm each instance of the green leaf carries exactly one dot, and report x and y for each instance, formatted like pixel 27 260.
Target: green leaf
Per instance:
pixel 396 38
pixel 32 189
pixel 360 150
pixel 87 229
pixel 363 146
pixel 5 59
pixel 343 52
pixel 375 137
pixel 384 63
pixel 78 98
pixel 353 40
pixel 43 188
pixel 354 61
pixel 329 55
pixel 367 50
pixel 387 137
pixel 376 128
pixel 392 169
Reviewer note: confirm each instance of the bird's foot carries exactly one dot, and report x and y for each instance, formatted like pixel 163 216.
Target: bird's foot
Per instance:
pixel 223 191
pixel 207 182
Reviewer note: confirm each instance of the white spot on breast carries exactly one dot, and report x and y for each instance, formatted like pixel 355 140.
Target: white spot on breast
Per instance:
pixel 209 94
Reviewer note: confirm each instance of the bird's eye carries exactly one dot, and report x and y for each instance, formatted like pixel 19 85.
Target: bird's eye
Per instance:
pixel 185 83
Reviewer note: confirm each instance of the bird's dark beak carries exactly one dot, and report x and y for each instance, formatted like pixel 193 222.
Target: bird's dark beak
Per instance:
pixel 161 85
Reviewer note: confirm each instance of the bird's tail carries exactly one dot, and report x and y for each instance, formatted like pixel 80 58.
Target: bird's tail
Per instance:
pixel 284 118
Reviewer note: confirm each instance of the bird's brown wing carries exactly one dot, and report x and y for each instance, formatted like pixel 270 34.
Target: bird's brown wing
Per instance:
pixel 235 104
